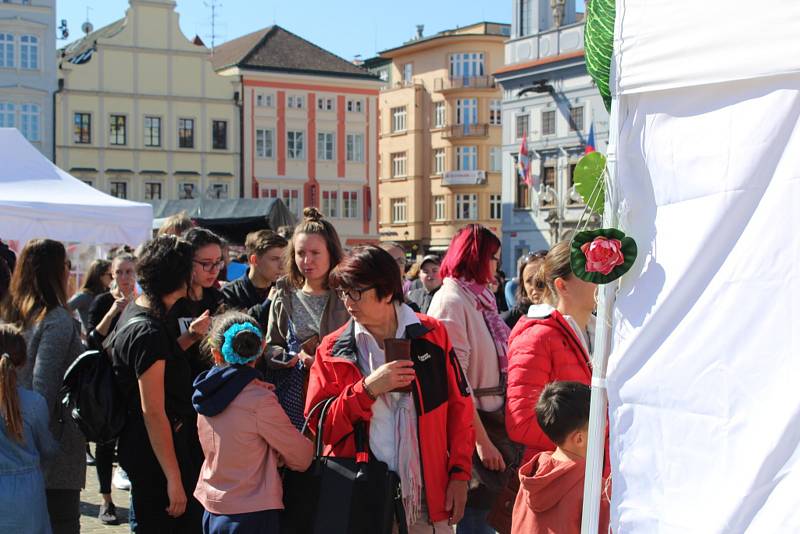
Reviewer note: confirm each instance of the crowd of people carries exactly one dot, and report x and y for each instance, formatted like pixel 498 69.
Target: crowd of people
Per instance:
pixel 462 385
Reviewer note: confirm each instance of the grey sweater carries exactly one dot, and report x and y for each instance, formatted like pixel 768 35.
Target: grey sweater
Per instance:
pixel 53 344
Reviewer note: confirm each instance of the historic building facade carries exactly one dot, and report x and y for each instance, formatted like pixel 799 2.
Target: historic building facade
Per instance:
pixel 309 128
pixel 28 69
pixel 142 115
pixel 549 99
pixel 440 136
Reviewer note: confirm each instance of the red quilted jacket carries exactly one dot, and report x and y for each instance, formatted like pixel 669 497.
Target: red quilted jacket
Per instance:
pixel 541 350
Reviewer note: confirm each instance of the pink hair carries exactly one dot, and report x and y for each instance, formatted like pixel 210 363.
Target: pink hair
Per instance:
pixel 469 254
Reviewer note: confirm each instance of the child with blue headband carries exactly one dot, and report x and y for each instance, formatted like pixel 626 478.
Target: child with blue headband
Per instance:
pixel 244 432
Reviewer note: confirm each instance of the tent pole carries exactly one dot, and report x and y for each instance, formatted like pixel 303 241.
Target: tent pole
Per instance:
pixel 593 482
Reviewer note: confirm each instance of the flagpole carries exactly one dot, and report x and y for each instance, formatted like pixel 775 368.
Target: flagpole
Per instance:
pixel 598 412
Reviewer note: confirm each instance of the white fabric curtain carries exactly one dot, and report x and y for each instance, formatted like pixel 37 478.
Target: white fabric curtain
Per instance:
pixel 703 408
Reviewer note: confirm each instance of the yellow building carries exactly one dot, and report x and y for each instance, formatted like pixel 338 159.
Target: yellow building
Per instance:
pixel 141 114
pixel 441 137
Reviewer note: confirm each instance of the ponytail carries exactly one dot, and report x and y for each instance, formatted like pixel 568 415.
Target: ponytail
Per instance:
pixel 12 356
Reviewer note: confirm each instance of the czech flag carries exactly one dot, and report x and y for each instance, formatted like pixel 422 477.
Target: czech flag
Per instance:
pixel 524 162
pixel 590 140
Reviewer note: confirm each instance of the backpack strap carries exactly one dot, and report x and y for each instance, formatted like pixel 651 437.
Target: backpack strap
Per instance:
pixel 108 343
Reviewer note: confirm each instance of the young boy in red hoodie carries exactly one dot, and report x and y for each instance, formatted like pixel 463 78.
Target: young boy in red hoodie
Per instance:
pixel 550 497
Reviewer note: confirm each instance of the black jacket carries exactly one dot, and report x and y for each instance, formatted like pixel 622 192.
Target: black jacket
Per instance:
pixel 420 300
pixel 242 294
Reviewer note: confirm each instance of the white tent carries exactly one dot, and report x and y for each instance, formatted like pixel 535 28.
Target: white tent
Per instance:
pixel 703 406
pixel 37 199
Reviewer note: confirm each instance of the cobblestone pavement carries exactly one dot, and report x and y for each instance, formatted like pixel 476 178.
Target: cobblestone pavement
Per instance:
pixel 90 506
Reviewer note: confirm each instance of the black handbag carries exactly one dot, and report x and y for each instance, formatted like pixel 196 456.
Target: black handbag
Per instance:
pixel 342 495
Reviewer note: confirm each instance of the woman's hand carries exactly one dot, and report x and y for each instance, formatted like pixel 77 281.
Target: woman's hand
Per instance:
pixel 490 456
pixel 455 499
pixel 177 498
pixel 118 305
pixel 307 359
pixel 199 327
pixel 390 376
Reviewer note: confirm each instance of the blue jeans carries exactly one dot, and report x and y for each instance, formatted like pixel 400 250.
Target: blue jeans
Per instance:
pixel 474 522
pixel 264 522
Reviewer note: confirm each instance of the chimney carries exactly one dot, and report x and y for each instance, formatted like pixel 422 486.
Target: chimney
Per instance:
pixel 420 29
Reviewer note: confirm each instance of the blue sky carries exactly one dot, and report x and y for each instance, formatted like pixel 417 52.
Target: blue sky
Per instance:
pixel 345 27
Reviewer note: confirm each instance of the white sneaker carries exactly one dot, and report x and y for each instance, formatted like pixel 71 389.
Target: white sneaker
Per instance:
pixel 120 480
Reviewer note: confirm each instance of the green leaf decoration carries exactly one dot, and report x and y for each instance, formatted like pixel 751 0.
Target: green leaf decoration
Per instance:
pixel 598 42
pixel 578 258
pixel 589 181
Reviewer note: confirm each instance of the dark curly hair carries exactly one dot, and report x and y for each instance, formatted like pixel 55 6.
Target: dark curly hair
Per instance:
pixel 200 237
pixel 164 266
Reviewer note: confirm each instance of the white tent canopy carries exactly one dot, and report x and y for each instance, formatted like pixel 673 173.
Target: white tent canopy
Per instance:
pixel 37 199
pixel 703 410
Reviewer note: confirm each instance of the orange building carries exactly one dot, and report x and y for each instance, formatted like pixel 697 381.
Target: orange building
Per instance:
pixel 309 128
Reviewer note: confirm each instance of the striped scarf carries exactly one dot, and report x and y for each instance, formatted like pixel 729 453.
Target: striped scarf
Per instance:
pixel 498 328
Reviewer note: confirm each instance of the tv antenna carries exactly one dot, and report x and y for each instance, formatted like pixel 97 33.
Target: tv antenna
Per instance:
pixel 214 5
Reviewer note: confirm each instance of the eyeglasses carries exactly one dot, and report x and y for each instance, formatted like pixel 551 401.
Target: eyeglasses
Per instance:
pixel 209 266
pixel 539 254
pixel 353 293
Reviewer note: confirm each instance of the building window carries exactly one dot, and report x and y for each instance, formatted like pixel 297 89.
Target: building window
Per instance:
pixel 466 65
pixel 495 112
pixel 296 101
pixel 495 206
pixel 355 147
pixel 326 104
pixel 152 191
pixel 439 115
pixel 438 160
pixel 467 111
pixel 549 122
pixel 186 191
pixel 29 122
pixel 576 118
pixel 219 135
pixel 152 131
pixel 7 50
pixel 350 204
pixel 118 189
pixel 117 131
pixel 523 200
pixel 549 177
pixel 291 197
pixel 408 72
pixel 29 52
pixel 399 165
pixel 325 143
pixel 82 129
pixel 467 158
pixel 264 100
pixel 398 210
pixel 467 206
pixel 399 119
pixel 524 17
pixel 522 126
pixel 330 204
pixel 186 133
pixel 269 193
pixel 219 191
pixel 295 145
pixel 438 208
pixel 355 106
pixel 495 164
pixel 264 143
pixel 7 115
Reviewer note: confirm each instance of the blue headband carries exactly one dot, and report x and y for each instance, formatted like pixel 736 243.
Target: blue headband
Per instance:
pixel 230 355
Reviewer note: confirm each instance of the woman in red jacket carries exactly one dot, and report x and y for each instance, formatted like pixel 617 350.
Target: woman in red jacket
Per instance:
pixel 425 436
pixel 549 344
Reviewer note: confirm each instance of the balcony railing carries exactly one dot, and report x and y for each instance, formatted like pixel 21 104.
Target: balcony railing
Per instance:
pixel 459 131
pixel 464 82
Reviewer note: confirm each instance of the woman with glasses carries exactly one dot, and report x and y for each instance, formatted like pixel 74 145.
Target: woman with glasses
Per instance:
pixel 38 305
pixel 424 433
pixel 549 344
pixel 531 289
pixel 97 280
pixel 467 307
pixel 190 318
pixel 303 311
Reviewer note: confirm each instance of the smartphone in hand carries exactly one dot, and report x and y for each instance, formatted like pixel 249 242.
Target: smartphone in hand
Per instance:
pixel 279 356
pixel 398 349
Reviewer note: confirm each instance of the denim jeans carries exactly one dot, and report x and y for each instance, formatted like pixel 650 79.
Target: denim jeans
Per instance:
pixel 474 522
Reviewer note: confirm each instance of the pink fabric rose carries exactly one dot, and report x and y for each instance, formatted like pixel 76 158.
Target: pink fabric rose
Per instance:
pixel 602 254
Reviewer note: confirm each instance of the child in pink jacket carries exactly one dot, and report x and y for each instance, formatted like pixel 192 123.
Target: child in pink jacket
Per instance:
pixel 245 435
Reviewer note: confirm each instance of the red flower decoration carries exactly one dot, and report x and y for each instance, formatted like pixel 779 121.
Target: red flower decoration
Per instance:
pixel 602 254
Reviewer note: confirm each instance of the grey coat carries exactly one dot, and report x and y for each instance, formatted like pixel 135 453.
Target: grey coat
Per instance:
pixel 53 344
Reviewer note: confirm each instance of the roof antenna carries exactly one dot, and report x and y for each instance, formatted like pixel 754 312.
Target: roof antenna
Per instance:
pixel 214 5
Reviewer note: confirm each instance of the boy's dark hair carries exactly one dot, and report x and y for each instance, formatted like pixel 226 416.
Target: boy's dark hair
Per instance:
pixel 260 241
pixel 563 408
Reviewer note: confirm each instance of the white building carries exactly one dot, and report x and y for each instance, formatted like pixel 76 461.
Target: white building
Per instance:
pixel 28 69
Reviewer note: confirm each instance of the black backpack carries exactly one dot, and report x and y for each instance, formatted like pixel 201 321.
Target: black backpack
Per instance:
pixel 90 393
